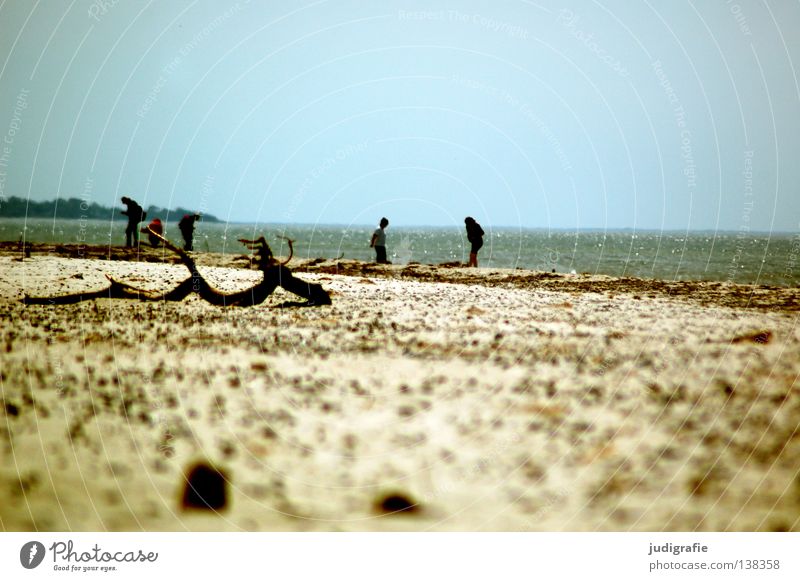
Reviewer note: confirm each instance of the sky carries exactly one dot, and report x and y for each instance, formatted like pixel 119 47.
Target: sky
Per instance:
pixel 647 115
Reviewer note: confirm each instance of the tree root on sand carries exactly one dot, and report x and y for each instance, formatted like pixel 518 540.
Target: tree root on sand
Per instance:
pixel 275 274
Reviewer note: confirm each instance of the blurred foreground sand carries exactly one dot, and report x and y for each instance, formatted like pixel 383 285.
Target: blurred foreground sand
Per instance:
pixel 497 400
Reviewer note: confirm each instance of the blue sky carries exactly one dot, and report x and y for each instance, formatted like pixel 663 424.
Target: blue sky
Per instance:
pixel 553 115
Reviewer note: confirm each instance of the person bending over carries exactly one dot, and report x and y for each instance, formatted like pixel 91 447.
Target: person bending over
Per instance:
pixel 475 236
pixel 186 226
pixel 135 214
pixel 155 227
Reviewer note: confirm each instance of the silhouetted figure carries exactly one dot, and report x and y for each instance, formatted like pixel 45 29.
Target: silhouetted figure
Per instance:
pixel 186 226
pixel 378 242
pixel 475 236
pixel 154 227
pixel 135 214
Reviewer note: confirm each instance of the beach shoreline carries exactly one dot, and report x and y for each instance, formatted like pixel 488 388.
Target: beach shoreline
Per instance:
pixel 492 399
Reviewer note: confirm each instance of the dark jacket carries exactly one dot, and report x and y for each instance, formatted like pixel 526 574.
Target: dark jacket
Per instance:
pixel 474 232
pixel 135 213
pixel 186 225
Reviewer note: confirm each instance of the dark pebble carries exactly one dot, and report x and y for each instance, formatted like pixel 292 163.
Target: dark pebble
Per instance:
pixel 206 488
pixel 394 503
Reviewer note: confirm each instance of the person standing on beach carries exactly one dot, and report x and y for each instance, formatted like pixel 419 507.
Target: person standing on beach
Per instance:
pixel 475 236
pixel 135 214
pixel 378 242
pixel 186 226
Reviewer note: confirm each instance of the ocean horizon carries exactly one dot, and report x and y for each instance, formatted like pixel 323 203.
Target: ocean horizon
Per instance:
pixel 744 257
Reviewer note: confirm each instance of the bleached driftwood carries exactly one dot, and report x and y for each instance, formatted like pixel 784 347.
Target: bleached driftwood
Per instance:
pixel 275 274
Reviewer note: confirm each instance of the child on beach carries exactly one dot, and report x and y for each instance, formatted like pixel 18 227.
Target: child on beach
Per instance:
pixel 378 242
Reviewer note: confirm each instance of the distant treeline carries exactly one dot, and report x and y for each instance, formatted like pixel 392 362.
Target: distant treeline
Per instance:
pixel 15 207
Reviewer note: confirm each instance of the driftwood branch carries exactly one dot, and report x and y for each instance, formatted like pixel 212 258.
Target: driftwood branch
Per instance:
pixel 275 274
pixel 264 252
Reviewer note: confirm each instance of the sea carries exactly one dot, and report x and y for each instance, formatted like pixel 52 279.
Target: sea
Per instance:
pixel 739 257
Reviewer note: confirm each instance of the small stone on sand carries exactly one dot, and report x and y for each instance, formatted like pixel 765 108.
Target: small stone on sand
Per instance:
pixel 206 488
pixel 394 503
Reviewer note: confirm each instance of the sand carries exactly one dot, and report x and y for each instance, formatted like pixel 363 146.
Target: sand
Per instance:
pixel 489 399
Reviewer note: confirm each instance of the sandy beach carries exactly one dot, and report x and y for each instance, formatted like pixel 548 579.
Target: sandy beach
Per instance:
pixel 502 400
